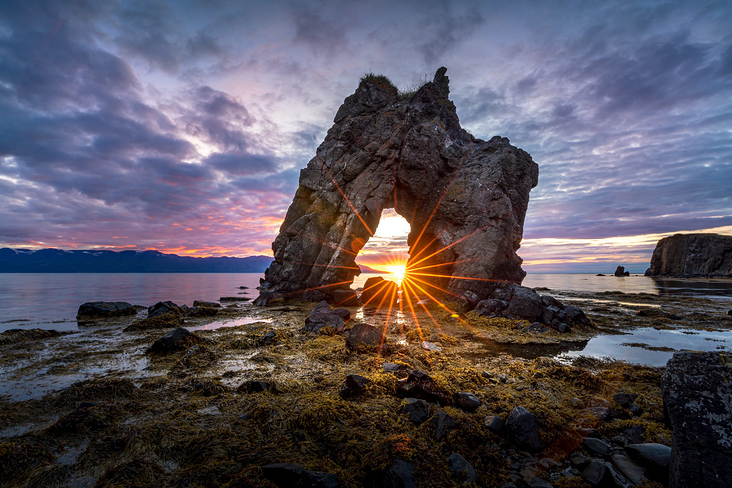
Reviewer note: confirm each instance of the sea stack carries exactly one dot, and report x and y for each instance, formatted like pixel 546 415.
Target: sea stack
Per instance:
pixel 692 255
pixel 464 198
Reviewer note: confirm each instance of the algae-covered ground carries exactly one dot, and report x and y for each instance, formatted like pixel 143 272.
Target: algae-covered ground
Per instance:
pixel 189 419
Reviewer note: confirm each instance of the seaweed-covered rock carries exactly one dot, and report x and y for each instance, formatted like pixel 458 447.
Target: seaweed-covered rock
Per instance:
pixel 418 410
pixel 379 293
pixel 201 303
pixel 421 385
pixel 286 475
pixel 91 311
pixel 365 337
pixel 161 308
pixel 443 424
pixel 523 429
pixel 316 322
pixel 13 336
pixel 399 475
pixel 175 340
pixel 467 401
pixel 355 385
pixel 462 471
pixel 697 394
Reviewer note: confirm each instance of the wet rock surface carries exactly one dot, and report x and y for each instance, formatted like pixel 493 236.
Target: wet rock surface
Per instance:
pixel 90 311
pixel 383 152
pixel 697 394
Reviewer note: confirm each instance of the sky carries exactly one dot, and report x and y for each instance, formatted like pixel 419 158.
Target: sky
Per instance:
pixel 182 126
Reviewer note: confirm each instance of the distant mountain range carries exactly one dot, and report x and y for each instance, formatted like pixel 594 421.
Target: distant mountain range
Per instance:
pixel 93 261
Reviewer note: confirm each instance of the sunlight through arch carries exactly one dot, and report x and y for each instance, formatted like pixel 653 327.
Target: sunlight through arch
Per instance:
pixel 387 251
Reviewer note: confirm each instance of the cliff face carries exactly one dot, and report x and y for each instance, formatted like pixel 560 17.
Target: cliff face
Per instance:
pixel 692 255
pixel 464 198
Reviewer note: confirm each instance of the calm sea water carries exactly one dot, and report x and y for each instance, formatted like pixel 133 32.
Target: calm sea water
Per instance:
pixel 51 300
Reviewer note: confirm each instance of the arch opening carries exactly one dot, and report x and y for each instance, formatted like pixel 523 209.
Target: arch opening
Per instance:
pixel 387 250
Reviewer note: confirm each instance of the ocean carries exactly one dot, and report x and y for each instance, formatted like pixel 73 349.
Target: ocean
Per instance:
pixel 51 300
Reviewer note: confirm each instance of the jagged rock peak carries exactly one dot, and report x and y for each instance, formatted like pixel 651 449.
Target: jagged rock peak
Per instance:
pixel 464 198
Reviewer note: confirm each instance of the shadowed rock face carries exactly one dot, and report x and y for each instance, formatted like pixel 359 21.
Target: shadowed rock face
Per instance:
pixel 692 255
pixel 461 195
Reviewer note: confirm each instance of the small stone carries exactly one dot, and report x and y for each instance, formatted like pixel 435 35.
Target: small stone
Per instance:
pixel 578 460
pixel 494 424
pixel 400 475
pixel 523 429
pixel 461 469
pixel 546 463
pixel 467 401
pixel 624 399
pixel 355 385
pixel 596 446
pixel 443 424
pixel 393 368
pixel 418 410
pixel 364 336
pixel 635 410
pixel 597 474
pixel 654 457
pixel 629 469
pixel 431 346
pixel 267 338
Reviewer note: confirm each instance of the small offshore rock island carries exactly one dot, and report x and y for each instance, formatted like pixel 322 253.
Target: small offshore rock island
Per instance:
pixel 464 198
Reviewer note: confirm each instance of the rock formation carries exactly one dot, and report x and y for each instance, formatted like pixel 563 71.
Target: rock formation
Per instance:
pixel 697 394
pixel 464 198
pixel 692 255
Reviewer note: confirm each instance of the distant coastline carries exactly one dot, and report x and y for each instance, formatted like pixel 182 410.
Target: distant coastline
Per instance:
pixel 95 261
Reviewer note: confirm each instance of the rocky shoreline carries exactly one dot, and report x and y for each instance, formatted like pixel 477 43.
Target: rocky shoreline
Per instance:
pixel 276 401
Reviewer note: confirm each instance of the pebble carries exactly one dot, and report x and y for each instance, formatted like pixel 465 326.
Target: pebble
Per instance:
pixel 431 346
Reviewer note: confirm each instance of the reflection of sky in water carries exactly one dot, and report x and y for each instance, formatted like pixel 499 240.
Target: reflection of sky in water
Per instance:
pixel 611 345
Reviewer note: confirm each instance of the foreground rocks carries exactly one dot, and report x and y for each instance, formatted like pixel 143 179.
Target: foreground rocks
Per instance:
pixel 697 393
pixel 91 311
pixel 386 151
pixel 520 303
pixel 692 255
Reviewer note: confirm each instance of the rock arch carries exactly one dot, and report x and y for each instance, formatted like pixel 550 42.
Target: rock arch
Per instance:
pixel 464 198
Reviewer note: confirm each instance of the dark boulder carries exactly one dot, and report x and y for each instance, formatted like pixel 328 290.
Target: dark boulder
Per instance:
pixel 343 313
pixel 656 458
pixel 421 385
pixel 175 340
pixel 161 308
pixel 525 304
pixel 490 307
pixel 379 293
pixel 418 410
pixel 268 339
pixel 365 337
pixel 598 474
pixel 595 446
pixel 494 424
pixel 443 424
pixel 355 386
pixel 467 401
pixel 523 429
pixel 399 475
pixel 697 394
pixel 91 311
pixel 461 470
pixel 286 475
pixel 317 321
pixel 625 400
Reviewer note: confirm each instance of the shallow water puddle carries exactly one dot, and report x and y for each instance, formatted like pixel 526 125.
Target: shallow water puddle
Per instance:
pixel 229 323
pixel 641 346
